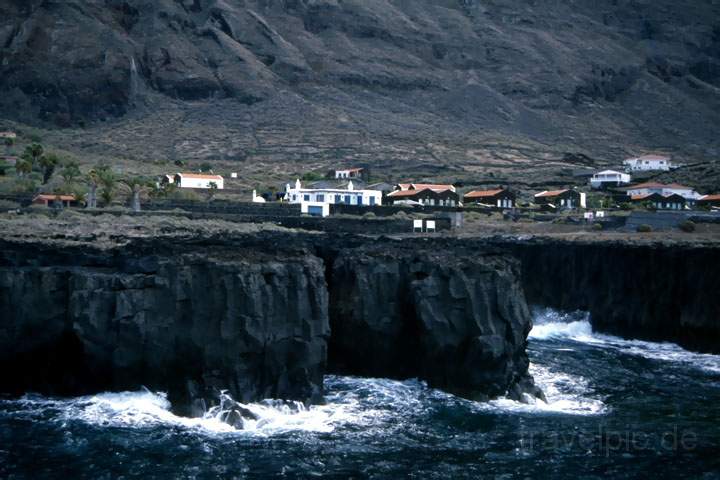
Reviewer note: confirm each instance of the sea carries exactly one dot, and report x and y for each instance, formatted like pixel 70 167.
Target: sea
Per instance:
pixel 615 408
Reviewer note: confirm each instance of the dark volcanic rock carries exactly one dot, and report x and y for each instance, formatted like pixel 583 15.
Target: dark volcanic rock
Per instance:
pixel 251 316
pixel 653 292
pixel 189 324
pixel 456 318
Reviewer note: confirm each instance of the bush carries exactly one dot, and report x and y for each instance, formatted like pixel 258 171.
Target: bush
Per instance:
pixel 8 205
pixel 644 228
pixel 369 215
pixel 687 226
pixel 597 226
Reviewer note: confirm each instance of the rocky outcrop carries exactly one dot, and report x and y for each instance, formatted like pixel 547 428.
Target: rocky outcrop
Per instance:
pixel 253 315
pixel 658 292
pixel 189 323
pixel 455 318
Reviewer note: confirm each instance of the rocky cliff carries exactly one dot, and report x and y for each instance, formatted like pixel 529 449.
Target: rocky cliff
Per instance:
pixel 439 83
pixel 658 292
pixel 458 321
pixel 187 322
pixel 254 314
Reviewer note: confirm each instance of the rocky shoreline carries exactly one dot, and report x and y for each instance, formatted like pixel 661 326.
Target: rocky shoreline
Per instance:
pixel 266 313
pixel 255 314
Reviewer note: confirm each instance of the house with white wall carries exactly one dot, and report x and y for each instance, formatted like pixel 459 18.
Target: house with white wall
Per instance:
pixel 317 201
pixel 648 188
pixel 609 178
pixel 347 173
pixel 198 180
pixel 647 163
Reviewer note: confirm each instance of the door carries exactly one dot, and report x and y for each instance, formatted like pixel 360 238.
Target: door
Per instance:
pixel 315 210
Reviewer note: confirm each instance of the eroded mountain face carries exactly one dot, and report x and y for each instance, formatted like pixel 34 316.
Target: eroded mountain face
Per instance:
pixel 586 72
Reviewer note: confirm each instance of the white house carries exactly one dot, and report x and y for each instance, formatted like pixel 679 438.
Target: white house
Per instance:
pixel 348 173
pixel 317 201
pixel 198 180
pixel 648 188
pixel 609 178
pixel 8 134
pixel 648 162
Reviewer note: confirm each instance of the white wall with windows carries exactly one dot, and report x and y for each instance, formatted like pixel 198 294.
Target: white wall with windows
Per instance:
pixel 330 196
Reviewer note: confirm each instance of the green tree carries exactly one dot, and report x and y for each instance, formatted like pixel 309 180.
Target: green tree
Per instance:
pixel 107 180
pixel 9 142
pixel 33 153
pixel 135 187
pixel 23 167
pixel 48 163
pixel 70 172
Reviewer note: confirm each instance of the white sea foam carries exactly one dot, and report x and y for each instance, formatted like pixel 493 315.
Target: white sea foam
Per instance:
pixel 145 409
pixel 576 326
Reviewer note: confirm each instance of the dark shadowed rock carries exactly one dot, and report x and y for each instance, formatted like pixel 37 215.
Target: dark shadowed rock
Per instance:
pixel 455 318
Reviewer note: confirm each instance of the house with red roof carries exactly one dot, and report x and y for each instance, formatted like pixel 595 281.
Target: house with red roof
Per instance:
pixel 709 200
pixel 436 187
pixel 672 201
pixel 424 196
pixel 52 200
pixel 561 199
pixel 499 197
pixel 663 189
pixel 649 162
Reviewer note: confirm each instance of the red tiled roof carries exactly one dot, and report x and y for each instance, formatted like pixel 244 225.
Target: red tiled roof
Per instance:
pixel 658 185
pixel 423 186
pixel 406 193
pixel 201 176
pixel 711 198
pixel 50 197
pixel 483 193
pixel 551 193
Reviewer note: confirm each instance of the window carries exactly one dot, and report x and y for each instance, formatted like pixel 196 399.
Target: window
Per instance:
pixel 294 197
pixel 320 197
pixel 372 201
pixel 347 199
pixel 306 198
pixel 359 200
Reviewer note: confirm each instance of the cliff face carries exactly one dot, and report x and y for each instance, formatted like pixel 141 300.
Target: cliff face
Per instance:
pixel 653 292
pixel 272 77
pixel 458 321
pixel 252 315
pixel 189 324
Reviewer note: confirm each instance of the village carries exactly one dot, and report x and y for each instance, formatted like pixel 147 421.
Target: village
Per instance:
pixel 626 197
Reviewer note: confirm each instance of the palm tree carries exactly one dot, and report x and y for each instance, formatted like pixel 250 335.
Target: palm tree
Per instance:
pixel 135 187
pixel 48 163
pixel 70 171
pixel 33 153
pixel 23 167
pixel 106 178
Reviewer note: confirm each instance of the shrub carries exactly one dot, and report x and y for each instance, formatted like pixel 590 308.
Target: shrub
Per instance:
pixel 644 228
pixel 597 226
pixel 687 226
pixel 369 215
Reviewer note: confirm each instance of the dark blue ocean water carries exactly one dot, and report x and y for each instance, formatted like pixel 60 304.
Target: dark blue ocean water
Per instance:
pixel 616 409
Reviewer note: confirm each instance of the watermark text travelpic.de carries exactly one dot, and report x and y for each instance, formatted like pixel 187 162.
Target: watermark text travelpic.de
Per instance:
pixel 609 441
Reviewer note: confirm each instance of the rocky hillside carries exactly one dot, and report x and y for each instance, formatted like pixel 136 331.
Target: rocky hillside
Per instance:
pixel 445 85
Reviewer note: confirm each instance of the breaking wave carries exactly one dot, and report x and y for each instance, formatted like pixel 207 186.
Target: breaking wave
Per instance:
pixel 575 326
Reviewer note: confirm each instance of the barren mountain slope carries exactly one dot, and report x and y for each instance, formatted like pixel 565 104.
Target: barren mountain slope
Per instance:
pixel 446 87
